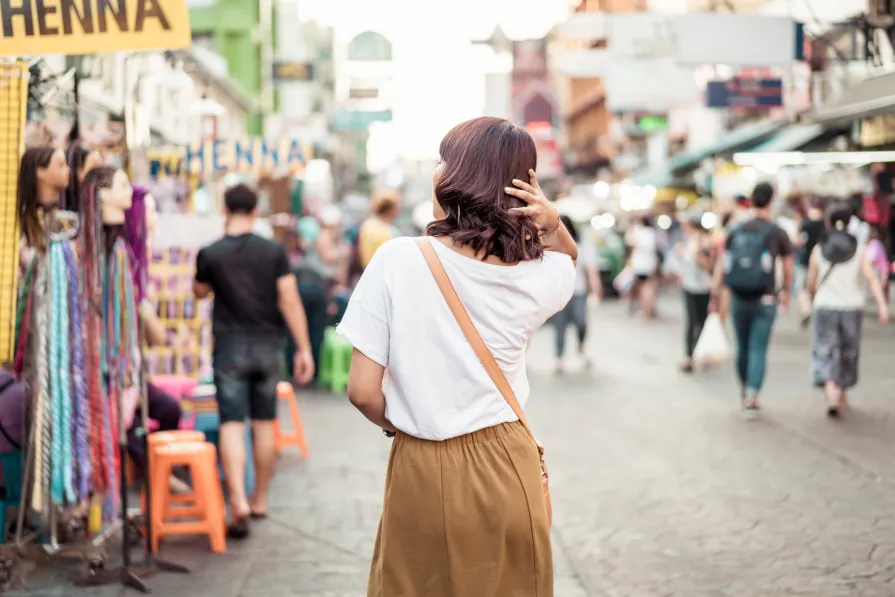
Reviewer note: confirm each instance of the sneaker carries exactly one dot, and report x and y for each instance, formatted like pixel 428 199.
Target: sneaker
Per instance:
pixel 750 413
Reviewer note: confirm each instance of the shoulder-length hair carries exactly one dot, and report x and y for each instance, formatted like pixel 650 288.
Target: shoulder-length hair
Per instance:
pixel 481 157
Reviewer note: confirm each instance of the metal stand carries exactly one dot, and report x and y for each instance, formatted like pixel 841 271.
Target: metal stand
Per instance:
pixel 150 560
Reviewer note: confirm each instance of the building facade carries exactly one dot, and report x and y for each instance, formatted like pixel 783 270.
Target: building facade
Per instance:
pixel 232 29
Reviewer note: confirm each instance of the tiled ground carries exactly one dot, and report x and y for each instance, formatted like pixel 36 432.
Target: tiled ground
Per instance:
pixel 659 488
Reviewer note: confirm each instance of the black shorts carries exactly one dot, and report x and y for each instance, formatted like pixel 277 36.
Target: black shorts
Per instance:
pixel 246 374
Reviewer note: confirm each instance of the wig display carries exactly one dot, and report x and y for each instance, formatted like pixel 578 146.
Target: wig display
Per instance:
pixel 28 206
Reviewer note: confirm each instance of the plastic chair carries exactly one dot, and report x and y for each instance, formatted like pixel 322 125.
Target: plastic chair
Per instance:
pixel 335 361
pixel 201 460
pixel 178 505
pixel 12 475
pixel 286 392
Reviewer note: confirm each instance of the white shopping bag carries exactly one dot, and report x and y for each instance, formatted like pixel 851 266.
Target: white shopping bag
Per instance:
pixel 712 346
pixel 624 281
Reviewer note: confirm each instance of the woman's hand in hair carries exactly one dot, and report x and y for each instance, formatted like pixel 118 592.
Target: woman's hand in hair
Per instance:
pixel 537 206
pixel 554 236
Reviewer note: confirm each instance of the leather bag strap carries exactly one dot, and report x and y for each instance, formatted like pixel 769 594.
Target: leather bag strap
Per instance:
pixel 472 335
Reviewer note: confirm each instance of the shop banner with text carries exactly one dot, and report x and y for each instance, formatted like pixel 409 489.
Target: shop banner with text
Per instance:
pixel 32 27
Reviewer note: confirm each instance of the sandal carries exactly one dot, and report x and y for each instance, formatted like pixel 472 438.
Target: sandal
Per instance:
pixel 239 528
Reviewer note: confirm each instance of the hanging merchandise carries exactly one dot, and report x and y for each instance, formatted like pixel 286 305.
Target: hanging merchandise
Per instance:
pixel 13 101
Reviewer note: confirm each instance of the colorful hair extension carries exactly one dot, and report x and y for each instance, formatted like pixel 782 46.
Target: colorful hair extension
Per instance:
pixel 135 229
pixel 42 423
pixel 60 358
pixel 81 422
pixel 92 258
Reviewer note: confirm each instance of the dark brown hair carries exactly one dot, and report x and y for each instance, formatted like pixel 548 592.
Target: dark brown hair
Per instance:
pixel 28 206
pixel 480 158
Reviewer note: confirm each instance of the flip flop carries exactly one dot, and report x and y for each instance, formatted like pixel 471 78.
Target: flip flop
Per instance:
pixel 258 515
pixel 239 528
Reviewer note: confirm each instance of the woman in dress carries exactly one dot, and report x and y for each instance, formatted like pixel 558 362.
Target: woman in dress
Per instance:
pixel 464 512
pixel 837 272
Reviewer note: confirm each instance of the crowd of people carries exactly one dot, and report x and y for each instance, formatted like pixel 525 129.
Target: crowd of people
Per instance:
pixel 830 260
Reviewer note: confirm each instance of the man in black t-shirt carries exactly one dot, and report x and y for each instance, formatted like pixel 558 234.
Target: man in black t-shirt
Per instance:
pixel 754 313
pixel 256 301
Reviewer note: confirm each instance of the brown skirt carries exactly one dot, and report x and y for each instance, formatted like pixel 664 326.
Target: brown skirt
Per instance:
pixel 463 518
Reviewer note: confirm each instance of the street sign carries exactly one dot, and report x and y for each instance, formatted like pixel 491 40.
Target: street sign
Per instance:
pixel 744 92
pixel 291 71
pixel 31 27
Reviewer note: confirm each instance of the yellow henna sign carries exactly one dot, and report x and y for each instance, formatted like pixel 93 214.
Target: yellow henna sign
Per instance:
pixel 30 27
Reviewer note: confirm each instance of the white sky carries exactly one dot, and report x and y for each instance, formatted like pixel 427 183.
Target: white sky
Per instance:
pixel 439 76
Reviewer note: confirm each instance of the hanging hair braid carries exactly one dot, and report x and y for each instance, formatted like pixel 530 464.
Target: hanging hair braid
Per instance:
pixel 77 157
pixel 28 207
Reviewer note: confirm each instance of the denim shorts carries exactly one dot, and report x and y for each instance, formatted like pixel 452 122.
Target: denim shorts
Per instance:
pixel 246 374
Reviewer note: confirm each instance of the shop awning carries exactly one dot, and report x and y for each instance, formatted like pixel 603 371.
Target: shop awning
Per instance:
pixel 790 138
pixel 871 97
pixel 739 138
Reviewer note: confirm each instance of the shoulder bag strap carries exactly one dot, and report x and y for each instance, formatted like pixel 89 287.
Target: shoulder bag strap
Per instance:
pixel 472 335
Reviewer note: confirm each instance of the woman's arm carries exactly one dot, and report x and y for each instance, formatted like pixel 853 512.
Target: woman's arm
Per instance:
pixel 153 327
pixel 365 389
pixel 871 276
pixel 811 280
pixel 560 240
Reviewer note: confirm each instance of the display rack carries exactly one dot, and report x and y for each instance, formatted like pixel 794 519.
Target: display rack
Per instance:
pixel 187 320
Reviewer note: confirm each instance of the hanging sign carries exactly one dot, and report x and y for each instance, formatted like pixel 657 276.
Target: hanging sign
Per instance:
pixel 30 27
pixel 293 71
pixel 744 92
pixel 255 155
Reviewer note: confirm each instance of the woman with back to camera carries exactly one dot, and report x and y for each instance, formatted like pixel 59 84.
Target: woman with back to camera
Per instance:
pixel 587 283
pixel 465 514
pixel 837 273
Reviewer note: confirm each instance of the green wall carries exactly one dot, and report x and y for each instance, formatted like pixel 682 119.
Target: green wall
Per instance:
pixel 231 24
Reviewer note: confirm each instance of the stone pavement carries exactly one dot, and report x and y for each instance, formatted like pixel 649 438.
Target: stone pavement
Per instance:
pixel 659 488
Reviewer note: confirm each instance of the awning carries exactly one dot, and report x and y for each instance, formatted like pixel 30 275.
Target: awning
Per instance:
pixel 791 138
pixel 871 97
pixel 739 138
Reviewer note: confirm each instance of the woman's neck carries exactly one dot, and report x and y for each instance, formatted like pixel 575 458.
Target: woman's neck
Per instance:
pixel 468 251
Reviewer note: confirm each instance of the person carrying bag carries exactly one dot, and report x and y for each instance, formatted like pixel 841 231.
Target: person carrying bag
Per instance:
pixel 440 327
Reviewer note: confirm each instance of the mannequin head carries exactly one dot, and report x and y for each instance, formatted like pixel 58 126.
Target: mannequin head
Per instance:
pixel 43 175
pixel 81 161
pixel 111 189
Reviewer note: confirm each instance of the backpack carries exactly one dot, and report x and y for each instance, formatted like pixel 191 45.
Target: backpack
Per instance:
pixel 749 265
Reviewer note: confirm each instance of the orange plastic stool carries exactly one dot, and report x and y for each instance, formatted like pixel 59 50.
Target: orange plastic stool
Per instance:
pixel 177 505
pixel 286 392
pixel 201 459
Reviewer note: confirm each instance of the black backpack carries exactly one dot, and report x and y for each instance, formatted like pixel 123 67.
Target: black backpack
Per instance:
pixel 749 264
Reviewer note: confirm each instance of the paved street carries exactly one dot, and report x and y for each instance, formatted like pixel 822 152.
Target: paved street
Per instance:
pixel 659 488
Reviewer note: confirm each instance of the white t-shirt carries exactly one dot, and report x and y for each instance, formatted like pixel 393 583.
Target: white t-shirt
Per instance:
pixel 435 387
pixel 644 245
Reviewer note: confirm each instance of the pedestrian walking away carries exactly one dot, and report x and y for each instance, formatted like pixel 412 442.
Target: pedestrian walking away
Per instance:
pixel 695 255
pixel 839 268
pixel 255 301
pixel 587 284
pixel 465 514
pixel 749 269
